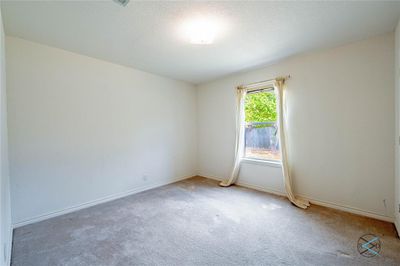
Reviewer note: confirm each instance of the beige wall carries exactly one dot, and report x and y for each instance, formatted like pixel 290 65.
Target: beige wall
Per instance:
pixel 341 135
pixel 84 130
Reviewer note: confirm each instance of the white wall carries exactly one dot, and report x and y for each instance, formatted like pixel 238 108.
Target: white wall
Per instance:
pixel 397 130
pixel 81 129
pixel 341 136
pixel 5 219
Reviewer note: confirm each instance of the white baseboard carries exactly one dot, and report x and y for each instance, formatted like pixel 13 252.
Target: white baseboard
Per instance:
pixel 315 201
pixel 259 188
pixel 97 201
pixel 211 177
pixel 9 246
pixel 248 185
pixel 349 209
pixel 162 183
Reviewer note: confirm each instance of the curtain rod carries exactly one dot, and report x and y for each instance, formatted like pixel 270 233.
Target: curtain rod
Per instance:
pixel 260 82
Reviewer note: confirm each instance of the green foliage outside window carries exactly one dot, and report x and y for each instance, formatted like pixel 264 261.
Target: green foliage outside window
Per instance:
pixel 260 107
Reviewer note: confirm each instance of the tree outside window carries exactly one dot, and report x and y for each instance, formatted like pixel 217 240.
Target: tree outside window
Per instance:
pixel 261 133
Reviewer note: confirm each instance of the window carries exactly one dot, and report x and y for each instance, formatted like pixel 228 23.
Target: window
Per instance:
pixel 261 132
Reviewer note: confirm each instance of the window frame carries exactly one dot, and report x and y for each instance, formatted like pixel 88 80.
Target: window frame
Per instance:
pixel 259 161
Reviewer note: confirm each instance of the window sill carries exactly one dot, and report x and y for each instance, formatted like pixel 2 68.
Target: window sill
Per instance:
pixel 276 164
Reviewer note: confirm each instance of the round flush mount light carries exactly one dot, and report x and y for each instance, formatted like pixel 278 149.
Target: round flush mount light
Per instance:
pixel 201 30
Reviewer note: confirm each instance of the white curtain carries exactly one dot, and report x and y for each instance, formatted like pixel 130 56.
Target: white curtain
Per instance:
pixel 279 88
pixel 239 144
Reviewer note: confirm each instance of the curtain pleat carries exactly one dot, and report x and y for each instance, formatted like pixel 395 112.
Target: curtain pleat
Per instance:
pixel 239 143
pixel 279 87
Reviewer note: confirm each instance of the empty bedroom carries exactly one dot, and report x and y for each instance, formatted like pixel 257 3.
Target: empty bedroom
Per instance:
pixel 199 132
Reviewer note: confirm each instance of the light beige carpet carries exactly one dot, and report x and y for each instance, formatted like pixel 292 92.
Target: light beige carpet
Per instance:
pixel 196 222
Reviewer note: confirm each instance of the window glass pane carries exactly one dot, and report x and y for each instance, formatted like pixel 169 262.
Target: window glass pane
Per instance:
pixel 261 129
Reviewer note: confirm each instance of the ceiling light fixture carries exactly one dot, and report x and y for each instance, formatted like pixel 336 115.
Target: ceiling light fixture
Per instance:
pixel 201 30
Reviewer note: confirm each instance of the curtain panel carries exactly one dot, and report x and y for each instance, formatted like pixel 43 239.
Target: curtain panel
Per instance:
pixel 239 142
pixel 279 88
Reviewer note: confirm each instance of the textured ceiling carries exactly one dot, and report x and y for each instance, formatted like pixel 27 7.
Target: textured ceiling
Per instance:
pixel 144 35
